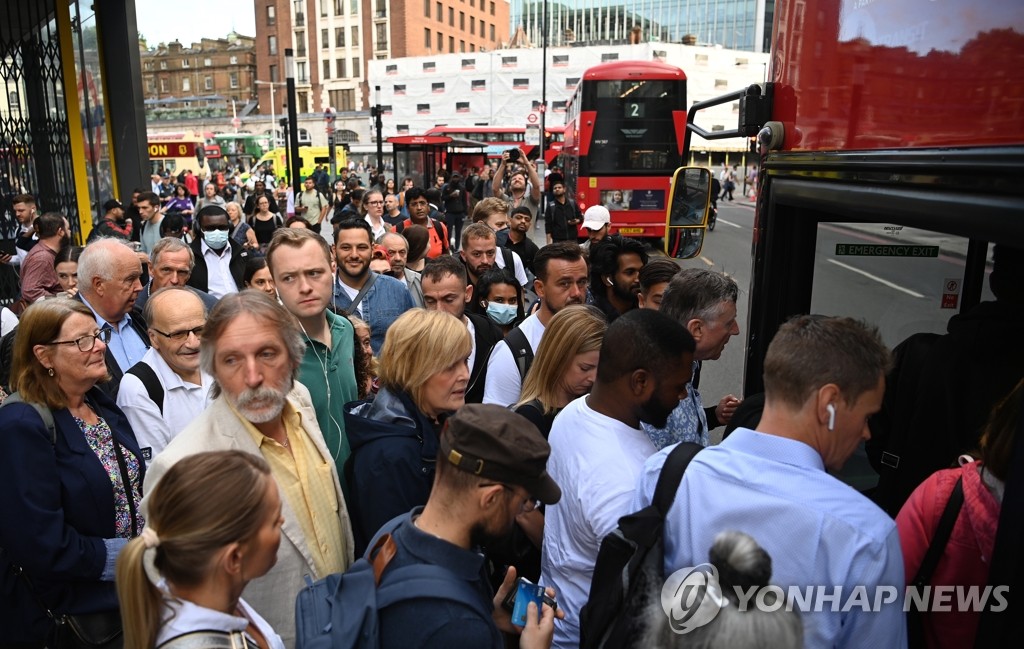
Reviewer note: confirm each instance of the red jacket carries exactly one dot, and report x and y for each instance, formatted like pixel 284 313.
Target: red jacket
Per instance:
pixel 968 553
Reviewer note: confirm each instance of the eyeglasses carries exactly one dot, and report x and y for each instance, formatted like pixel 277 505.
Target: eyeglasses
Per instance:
pixel 87 342
pixel 211 228
pixel 529 505
pixel 374 202
pixel 183 334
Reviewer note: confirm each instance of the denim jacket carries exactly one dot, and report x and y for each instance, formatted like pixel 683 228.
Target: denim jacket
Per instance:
pixel 387 299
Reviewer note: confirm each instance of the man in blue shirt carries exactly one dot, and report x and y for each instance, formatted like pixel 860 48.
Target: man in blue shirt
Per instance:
pixel 823 377
pixel 377 299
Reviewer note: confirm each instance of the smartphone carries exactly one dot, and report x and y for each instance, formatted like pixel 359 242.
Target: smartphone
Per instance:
pixel 519 598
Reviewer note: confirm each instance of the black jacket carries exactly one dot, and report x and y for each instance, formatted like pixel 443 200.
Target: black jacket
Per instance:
pixel 200 279
pixel 487 336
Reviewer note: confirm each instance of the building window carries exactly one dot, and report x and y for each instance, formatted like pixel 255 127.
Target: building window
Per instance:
pixel 271 15
pixel 717 127
pixel 403 129
pixel 521 84
pixel 721 83
pixel 327 69
pixel 300 43
pixel 234 80
pixel 208 83
pixel 742 62
pixel 233 60
pixel 437 87
pixel 536 105
pixel 399 89
pixel 423 109
pixel 462 107
pixel 184 63
pixel 492 8
pixel 357 70
pixel 429 66
pixel 559 106
pixel 151 85
pixel 340 68
pixel 323 8
pixel 207 62
pixel 700 58
pixel 609 56
pixel 148 65
pixel 451 17
pixel 273 74
pixel 272 45
pixel 300 72
pixel 427 42
pixel 571 82
pixel 440 42
pixel 472 24
pixel 325 39
pixel 492 28
pixel 163 65
pixel 355 36
pixel 300 15
pixel 382 36
pixel 509 61
pixel 560 60
pixel 660 55
pixel 186 84
pixel 386 109
pixel 426 8
pixel 451 43
pixel 462 20
pixel 472 47
pixel 343 100
pixel 469 64
pixel 163 85
pixel 339 7
pixel 478 84
pixel 393 68
pixel 353 7
pixel 339 37
pixel 438 12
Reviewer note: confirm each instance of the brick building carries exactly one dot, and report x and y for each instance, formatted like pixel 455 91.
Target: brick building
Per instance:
pixel 199 80
pixel 333 41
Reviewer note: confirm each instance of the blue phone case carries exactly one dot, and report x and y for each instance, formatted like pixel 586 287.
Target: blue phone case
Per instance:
pixel 526 593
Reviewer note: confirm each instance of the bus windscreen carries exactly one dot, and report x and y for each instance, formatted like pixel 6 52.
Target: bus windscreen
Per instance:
pixel 634 129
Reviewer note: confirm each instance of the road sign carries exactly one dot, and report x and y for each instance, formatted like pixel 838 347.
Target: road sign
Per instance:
pixel 532 135
pixel 235 122
pixel 532 118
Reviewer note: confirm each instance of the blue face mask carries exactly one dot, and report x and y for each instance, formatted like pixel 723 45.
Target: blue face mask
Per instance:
pixel 502 314
pixel 216 239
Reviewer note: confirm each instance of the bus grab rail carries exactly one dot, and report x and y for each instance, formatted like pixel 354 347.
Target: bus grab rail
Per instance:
pixel 755 111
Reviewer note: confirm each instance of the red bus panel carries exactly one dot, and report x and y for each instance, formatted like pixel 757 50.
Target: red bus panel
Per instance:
pixel 898 73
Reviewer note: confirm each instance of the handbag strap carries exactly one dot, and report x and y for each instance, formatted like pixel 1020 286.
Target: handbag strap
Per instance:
pixel 351 310
pixel 209 640
pixel 126 482
pixel 941 537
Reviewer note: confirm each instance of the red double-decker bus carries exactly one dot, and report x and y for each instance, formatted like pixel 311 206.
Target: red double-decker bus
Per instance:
pixel 624 137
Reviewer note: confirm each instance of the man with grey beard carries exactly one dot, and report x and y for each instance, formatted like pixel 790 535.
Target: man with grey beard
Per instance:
pixel 252 347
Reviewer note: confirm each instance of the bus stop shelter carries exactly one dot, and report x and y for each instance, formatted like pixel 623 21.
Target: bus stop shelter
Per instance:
pixel 423 157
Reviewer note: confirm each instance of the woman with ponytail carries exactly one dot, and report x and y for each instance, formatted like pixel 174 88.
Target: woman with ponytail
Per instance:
pixel 214 524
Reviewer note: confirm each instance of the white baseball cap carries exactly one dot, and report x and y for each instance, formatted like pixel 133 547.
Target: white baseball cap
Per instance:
pixel 596 217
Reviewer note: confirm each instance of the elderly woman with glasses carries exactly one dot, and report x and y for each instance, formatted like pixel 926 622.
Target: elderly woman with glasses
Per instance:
pixel 71 474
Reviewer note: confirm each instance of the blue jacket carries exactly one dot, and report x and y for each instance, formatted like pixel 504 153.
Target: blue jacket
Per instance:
pixel 387 299
pixel 57 508
pixel 391 469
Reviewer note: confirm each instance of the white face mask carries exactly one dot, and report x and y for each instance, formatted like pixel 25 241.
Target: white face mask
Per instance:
pixel 502 314
pixel 216 239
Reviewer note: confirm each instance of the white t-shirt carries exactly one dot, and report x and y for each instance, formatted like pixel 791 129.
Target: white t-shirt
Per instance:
pixel 352 293
pixel 597 462
pixel 519 271
pixel 182 616
pixel 503 381
pixel 472 338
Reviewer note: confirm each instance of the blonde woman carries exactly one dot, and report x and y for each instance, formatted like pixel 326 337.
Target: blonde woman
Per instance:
pixel 424 372
pixel 565 365
pixel 214 524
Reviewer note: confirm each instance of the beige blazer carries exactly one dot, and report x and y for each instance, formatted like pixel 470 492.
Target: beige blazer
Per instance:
pixel 217 429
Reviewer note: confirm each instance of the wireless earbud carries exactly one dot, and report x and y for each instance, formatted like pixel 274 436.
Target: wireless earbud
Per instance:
pixel 608 282
pixel 831 416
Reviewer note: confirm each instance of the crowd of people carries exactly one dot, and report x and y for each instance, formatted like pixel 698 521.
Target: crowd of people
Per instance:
pixel 198 420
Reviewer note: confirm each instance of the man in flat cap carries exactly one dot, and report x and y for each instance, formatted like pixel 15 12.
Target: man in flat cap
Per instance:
pixel 491 467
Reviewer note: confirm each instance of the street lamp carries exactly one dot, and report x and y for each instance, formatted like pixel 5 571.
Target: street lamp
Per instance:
pixel 377 112
pixel 294 164
pixel 543 79
pixel 273 108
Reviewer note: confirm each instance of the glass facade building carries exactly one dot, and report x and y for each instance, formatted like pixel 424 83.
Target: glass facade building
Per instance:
pixel 733 24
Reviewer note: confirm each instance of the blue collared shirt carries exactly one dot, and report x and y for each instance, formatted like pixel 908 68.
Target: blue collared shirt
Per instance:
pixel 818 530
pixel 125 344
pixel 387 299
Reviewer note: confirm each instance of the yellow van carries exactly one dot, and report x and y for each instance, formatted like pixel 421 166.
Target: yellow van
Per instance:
pixel 311 157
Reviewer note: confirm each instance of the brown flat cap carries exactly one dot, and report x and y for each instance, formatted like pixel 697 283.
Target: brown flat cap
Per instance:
pixel 497 444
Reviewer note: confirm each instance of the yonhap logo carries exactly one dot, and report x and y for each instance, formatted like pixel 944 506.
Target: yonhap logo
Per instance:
pixel 692 597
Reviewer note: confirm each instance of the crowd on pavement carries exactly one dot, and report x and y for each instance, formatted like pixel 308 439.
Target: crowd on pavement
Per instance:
pixel 219 398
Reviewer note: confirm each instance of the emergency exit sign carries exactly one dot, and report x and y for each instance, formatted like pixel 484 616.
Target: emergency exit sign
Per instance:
pixel 880 250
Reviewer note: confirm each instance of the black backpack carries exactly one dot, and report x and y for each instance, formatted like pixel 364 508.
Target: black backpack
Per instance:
pixel 522 353
pixel 630 565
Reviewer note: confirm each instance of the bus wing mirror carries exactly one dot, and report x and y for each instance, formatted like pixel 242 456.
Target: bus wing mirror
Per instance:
pixel 687 216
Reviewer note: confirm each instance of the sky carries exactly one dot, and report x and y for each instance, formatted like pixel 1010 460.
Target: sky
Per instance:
pixel 190 20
